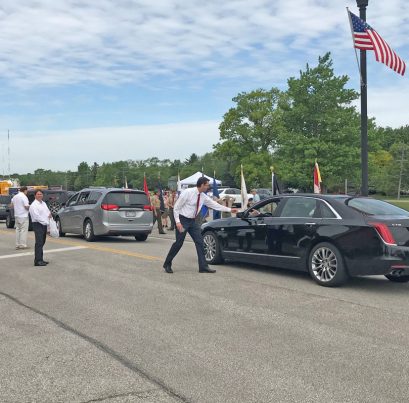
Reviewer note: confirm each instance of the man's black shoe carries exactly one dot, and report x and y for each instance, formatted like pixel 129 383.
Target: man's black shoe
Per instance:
pixel 162 232
pixel 207 270
pixel 40 264
pixel 44 261
pixel 168 267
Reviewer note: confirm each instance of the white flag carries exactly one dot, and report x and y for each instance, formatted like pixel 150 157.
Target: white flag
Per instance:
pixel 244 196
pixel 179 184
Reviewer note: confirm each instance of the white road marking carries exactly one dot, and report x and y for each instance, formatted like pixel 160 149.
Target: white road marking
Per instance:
pixel 46 251
pixel 169 239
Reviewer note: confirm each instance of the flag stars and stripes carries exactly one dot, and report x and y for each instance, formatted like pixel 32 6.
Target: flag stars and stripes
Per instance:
pixel 366 38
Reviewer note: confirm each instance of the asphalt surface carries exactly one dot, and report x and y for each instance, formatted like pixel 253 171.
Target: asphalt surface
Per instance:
pixel 104 322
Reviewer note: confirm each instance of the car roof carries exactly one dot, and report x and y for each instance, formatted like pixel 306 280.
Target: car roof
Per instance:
pixel 107 190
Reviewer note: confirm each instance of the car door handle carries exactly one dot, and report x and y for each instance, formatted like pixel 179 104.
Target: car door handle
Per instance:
pixel 310 224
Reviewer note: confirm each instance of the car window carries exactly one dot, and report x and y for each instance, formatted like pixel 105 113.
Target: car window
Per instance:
pixel 93 197
pixel 83 198
pixel 324 211
pixel 375 207
pixel 5 199
pixel 126 199
pixel 73 200
pixel 266 209
pixel 299 207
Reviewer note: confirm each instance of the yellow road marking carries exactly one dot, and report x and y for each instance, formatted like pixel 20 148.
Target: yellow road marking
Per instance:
pixel 96 247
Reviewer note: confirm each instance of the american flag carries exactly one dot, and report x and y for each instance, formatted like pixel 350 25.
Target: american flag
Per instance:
pixel 366 38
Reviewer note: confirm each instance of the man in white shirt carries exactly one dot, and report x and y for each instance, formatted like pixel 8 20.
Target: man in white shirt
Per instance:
pixel 21 205
pixel 40 216
pixel 185 211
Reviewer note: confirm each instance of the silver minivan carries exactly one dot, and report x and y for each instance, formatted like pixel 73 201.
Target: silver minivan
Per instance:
pixel 106 211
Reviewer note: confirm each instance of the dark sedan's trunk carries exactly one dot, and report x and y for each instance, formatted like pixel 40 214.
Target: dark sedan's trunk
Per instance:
pixel 392 229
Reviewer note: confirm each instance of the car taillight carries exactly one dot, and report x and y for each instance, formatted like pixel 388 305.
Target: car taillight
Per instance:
pixel 110 207
pixel 384 232
pixel 147 208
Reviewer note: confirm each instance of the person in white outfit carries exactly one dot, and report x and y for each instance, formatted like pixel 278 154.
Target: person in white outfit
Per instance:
pixel 40 216
pixel 21 205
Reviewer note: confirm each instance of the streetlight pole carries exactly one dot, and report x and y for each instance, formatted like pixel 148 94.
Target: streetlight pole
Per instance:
pixel 362 4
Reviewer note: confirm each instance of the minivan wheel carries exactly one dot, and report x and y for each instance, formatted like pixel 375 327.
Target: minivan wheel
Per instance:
pixel 326 266
pixel 89 231
pixel 141 237
pixel 212 250
pixel 9 222
pixel 59 226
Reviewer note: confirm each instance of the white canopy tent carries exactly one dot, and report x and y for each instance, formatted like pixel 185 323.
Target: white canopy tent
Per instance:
pixel 192 180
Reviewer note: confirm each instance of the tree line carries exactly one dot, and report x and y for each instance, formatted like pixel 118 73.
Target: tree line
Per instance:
pixel 313 119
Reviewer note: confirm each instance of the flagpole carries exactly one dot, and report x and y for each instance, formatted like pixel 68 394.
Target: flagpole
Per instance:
pixel 362 4
pixel 353 44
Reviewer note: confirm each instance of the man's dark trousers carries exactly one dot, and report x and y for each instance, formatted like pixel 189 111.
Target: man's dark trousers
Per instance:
pixel 190 226
pixel 40 232
pixel 172 219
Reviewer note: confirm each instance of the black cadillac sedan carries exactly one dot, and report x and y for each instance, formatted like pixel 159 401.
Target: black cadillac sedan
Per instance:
pixel 330 236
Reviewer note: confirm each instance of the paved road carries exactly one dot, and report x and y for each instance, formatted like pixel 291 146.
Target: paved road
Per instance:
pixel 103 322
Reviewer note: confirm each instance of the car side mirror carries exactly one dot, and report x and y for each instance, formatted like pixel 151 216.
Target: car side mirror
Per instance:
pixel 240 214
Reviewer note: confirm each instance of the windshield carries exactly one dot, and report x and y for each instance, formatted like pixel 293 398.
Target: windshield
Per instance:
pixel 127 199
pixel 376 207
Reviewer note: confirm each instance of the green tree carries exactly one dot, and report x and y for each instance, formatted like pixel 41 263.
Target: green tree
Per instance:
pixel 319 123
pixel 250 130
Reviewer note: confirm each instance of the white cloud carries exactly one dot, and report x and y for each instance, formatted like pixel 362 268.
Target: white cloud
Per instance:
pixel 109 42
pixel 185 44
pixel 64 150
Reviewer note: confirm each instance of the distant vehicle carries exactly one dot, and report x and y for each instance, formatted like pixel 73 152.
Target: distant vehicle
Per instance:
pixel 332 237
pixel 233 192
pixel 53 198
pixel 4 206
pixel 264 193
pixel 94 212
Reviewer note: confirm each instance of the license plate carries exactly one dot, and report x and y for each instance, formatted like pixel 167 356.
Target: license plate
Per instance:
pixel 130 213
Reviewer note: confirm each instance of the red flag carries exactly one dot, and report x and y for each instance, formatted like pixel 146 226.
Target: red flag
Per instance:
pixel 317 178
pixel 145 188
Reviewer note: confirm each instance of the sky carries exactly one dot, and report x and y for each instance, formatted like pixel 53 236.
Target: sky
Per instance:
pixel 110 80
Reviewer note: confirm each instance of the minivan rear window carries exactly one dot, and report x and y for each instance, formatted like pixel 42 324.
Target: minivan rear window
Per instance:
pixel 126 199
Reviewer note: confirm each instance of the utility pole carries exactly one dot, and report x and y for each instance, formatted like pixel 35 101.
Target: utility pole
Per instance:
pixel 401 171
pixel 362 4
pixel 8 149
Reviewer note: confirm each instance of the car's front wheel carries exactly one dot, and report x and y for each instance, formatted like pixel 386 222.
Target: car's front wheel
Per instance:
pixel 141 237
pixel 212 250
pixel 89 231
pixel 326 265
pixel 59 226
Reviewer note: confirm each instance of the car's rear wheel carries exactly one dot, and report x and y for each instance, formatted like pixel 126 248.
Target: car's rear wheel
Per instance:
pixel 59 226
pixel 397 278
pixel 212 250
pixel 326 265
pixel 9 221
pixel 141 237
pixel 89 231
